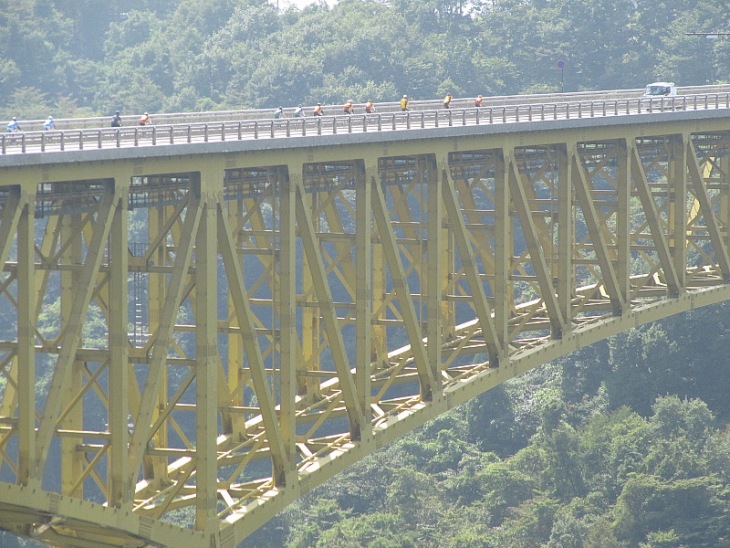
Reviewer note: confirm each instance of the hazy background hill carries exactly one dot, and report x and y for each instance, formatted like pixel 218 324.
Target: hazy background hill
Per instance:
pixel 82 57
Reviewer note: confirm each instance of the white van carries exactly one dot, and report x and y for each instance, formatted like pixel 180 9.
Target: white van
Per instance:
pixel 661 89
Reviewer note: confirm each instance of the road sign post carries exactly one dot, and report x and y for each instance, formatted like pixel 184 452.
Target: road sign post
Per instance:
pixel 561 66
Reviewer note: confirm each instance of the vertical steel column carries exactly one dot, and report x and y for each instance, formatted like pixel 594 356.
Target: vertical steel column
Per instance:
pixel 379 335
pixel 119 367
pixel 71 256
pixel 503 253
pixel 677 206
pixel 308 386
pixel 363 291
pixel 566 236
pixel 26 342
pixel 155 466
pixel 206 357
pixel 9 219
pixel 437 260
pixel 623 221
pixel 234 422
pixel 286 293
pixel 723 174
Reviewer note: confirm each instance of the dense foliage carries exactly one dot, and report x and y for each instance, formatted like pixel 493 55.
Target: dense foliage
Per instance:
pixel 615 446
pixel 83 57
pixel 621 444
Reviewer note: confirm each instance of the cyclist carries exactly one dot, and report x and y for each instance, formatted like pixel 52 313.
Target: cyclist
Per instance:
pixel 13 126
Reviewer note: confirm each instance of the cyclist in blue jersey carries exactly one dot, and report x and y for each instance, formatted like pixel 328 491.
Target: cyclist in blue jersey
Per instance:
pixel 50 124
pixel 13 126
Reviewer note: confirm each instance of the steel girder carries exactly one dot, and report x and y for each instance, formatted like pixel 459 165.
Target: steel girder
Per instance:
pixel 191 344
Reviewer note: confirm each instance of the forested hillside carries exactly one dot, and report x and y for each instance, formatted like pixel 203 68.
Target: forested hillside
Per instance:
pixel 623 444
pixel 83 57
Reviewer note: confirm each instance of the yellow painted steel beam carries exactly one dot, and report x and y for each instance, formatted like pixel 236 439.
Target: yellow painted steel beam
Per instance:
pixel 206 368
pixel 677 214
pixel 566 233
pixel 287 314
pixel 503 252
pixel 437 262
pixel 26 360
pixel 118 466
pixel 363 293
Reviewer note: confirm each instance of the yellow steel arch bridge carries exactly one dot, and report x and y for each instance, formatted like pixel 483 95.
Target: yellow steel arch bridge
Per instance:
pixel 202 321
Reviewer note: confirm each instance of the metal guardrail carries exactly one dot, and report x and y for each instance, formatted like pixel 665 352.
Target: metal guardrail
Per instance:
pixel 229 130
pixel 382 107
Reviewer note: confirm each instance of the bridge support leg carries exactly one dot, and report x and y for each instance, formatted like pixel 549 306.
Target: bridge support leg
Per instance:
pixel 119 347
pixel 623 222
pixel 378 333
pixel 566 231
pixel 71 461
pixel 503 251
pixel 677 221
pixel 437 261
pixel 287 310
pixel 206 365
pixel 363 291
pixel 26 366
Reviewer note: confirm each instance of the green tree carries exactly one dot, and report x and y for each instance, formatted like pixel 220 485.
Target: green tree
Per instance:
pixel 643 367
pixel 29 103
pixel 506 487
pixel 690 508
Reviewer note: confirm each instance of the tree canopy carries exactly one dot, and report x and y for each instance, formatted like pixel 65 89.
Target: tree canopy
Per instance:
pixel 86 57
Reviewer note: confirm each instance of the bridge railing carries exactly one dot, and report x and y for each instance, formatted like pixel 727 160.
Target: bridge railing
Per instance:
pixel 382 107
pixel 236 130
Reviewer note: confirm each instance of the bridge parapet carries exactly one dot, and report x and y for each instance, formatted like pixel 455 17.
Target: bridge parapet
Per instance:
pixel 211 127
